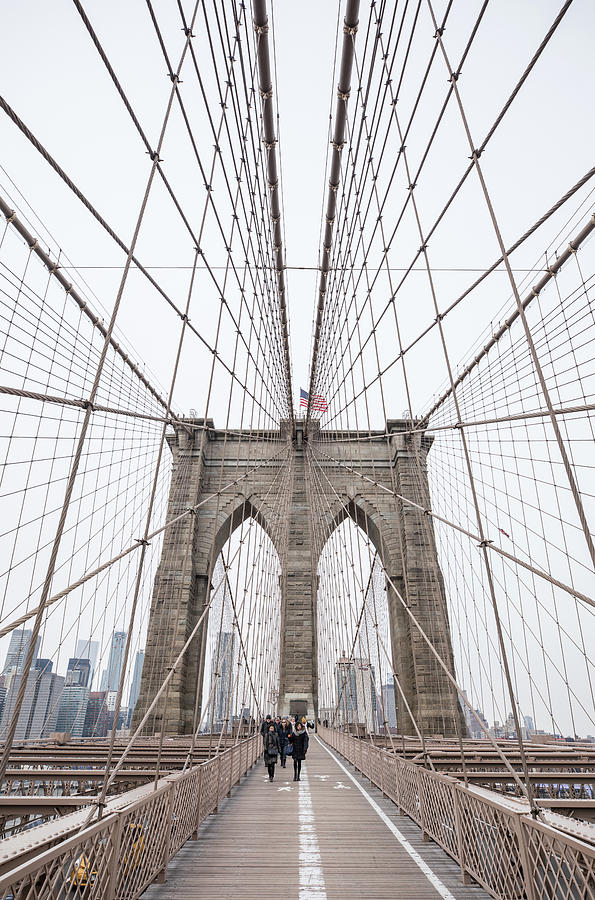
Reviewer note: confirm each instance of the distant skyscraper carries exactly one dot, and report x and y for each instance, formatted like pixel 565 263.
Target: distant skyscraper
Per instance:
pixel 389 707
pixel 78 672
pixel 17 650
pixel 73 709
pixel 474 729
pixel 135 684
pixel 356 693
pixel 37 718
pixel 223 662
pixel 97 715
pixel 88 649
pixel 110 678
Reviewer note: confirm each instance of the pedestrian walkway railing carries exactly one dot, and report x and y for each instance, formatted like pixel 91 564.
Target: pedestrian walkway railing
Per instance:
pixel 495 840
pixel 119 855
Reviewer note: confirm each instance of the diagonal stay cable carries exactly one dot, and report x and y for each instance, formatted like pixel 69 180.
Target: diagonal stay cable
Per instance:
pixel 104 224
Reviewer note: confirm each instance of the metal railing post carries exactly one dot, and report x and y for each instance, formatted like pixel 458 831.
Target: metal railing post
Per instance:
pixel 421 805
pixel 231 754
pixel 399 783
pixel 525 861
pixel 162 874
pixel 460 834
pixel 197 820
pixel 216 810
pixel 112 877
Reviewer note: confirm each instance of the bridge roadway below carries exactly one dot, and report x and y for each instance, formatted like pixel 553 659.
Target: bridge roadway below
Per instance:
pixel 319 838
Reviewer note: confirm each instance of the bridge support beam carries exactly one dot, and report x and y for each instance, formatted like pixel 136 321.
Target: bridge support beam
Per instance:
pixel 298 674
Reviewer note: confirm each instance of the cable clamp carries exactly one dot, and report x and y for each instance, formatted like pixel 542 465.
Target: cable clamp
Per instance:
pixel 273 186
pixel 266 95
pixel 476 154
pixel 142 542
pixel 454 76
pixel 53 269
pixel 485 543
pixel 33 245
pixel 535 291
pixel 327 247
pixel 277 247
pixel 275 219
pixel 423 247
pixel 188 32
pixel 99 803
pixel 261 29
pixel 184 318
pixel 68 289
pixel 191 510
pixel 330 220
pixel 174 78
pixel 402 148
pixel 412 186
pixel 458 425
pixel 270 145
pixel 154 156
pixel 338 146
pixel 333 187
pixel 351 30
pixel 439 317
pixel 10 219
pixel 199 251
pixel 438 33
pixel 343 95
pixel 571 248
pixel 87 404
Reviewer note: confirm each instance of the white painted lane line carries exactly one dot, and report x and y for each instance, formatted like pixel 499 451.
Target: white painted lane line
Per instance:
pixel 430 875
pixel 311 878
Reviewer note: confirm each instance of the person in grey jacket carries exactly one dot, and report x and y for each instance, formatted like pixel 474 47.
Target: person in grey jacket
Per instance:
pixel 272 749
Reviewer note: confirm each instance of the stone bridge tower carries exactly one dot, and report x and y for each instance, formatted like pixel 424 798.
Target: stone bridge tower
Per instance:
pixel 389 464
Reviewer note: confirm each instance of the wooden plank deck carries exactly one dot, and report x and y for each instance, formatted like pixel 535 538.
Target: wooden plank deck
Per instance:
pixel 319 838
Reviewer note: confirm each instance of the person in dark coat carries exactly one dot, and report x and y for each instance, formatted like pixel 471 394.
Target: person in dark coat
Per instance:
pixel 284 730
pixel 300 740
pixel 272 749
pixel 265 726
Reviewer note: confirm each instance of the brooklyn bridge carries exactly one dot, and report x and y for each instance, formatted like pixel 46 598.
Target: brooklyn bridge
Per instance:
pixel 297 391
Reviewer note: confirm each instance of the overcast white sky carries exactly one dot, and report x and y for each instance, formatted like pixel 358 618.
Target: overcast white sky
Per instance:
pixel 53 77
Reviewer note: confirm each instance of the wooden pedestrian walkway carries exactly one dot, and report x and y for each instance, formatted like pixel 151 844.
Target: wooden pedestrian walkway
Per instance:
pixel 319 838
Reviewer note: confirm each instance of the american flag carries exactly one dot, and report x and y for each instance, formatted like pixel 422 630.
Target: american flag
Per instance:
pixel 318 402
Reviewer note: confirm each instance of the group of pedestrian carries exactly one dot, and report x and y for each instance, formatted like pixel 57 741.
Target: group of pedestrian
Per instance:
pixel 283 737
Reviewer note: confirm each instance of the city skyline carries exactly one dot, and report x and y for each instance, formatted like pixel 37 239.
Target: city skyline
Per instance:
pixel 65 703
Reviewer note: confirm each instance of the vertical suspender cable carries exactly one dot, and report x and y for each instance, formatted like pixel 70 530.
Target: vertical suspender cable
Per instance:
pixel 265 84
pixel 343 91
